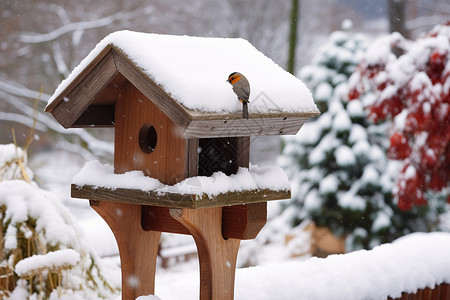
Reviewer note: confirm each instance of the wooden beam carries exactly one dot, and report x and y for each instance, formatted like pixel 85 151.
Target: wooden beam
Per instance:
pixel 242 127
pixel 77 97
pixel 176 200
pixel 98 116
pixel 244 222
pixel 157 218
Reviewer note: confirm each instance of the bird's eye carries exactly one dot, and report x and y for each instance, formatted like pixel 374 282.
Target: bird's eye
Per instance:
pixel 232 78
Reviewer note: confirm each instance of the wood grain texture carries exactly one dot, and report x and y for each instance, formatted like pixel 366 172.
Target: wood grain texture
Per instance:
pixel 167 161
pixel 137 248
pixel 217 256
pixel 243 222
pixel 438 292
pixel 67 108
pixel 242 127
pixel 192 157
pixel 175 200
pixel 243 151
pixel 79 79
pixel 157 218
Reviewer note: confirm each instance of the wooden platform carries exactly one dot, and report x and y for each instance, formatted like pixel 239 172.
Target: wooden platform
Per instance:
pixel 176 200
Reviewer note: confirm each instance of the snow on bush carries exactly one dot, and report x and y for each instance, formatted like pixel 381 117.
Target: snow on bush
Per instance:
pixel 40 239
pixel 341 176
pixel 410 81
pixel 11 157
pixel 60 259
pixel 335 162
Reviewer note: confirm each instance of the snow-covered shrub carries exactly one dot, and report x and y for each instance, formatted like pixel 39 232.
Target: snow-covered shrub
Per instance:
pixel 341 176
pixel 42 253
pixel 413 89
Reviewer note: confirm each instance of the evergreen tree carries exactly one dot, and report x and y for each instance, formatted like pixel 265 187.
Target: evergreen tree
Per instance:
pixel 337 163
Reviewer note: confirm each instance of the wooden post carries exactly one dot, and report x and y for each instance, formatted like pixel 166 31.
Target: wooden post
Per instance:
pixel 138 248
pixel 217 256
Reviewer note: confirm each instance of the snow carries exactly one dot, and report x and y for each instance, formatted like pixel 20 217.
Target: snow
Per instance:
pixel 329 184
pixel 341 121
pixel 370 175
pixel 149 297
pixel 383 220
pixel 357 133
pixel 60 259
pixel 344 156
pixel 355 108
pixel 386 271
pixel 193 70
pixel 351 201
pixel 100 175
pixel 26 204
pixel 10 155
pixel 410 172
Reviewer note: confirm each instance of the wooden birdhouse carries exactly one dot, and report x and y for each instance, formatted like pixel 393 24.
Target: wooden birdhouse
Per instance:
pixel 177 120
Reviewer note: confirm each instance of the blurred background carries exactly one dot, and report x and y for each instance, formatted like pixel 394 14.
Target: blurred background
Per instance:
pixel 42 41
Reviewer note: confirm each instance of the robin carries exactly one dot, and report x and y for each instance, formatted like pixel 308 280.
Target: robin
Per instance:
pixel 241 88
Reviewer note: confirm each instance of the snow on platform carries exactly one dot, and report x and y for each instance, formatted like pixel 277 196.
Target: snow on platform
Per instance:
pixel 97 181
pixel 194 70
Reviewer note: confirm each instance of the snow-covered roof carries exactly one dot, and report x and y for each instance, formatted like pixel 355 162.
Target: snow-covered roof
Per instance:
pixel 192 71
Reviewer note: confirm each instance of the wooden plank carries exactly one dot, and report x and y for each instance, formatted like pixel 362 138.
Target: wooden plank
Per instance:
pixel 243 222
pixel 149 88
pixel 243 151
pixel 74 101
pixel 427 294
pixel 192 157
pixel 277 114
pixel 96 116
pixel 438 292
pixel 167 161
pixel 176 200
pixel 60 98
pixel 157 218
pixel 445 291
pixel 243 127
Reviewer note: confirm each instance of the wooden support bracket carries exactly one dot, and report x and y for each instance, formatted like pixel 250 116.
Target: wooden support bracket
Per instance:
pixel 217 256
pixel 138 248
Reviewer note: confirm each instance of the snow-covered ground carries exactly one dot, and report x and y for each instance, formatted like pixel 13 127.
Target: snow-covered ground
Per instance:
pixel 405 265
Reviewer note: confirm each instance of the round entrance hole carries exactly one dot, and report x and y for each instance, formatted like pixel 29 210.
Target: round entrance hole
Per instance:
pixel 147 138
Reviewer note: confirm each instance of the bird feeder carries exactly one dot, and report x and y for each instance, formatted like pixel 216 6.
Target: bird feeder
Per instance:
pixel 176 119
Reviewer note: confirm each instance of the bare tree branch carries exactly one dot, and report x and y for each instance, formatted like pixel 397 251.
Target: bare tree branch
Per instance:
pixel 53 35
pixel 21 91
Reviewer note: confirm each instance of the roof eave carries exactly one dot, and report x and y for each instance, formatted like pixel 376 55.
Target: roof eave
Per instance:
pixel 74 106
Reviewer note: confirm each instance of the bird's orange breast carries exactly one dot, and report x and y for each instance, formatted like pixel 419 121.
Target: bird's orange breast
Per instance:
pixel 235 79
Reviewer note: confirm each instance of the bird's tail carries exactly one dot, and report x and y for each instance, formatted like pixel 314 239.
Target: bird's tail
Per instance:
pixel 245 110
